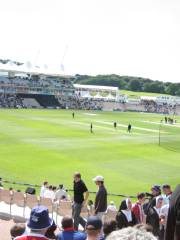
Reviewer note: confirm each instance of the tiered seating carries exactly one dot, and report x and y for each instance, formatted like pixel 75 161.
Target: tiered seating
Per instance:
pixel 28 201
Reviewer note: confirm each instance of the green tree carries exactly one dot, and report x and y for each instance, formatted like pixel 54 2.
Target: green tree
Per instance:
pixel 135 85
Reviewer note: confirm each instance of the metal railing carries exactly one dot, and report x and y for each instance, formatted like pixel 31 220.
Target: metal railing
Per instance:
pixel 69 190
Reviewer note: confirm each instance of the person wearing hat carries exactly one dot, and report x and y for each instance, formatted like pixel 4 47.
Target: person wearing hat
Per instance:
pixel 93 228
pixel 155 192
pixel 101 197
pixel 38 224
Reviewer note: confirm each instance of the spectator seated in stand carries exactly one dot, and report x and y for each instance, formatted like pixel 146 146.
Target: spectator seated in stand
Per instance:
pixel 94 228
pixel 112 206
pixel 68 232
pixel 61 193
pixel 138 209
pixel 17 230
pixel 43 188
pixel 125 217
pixel 49 193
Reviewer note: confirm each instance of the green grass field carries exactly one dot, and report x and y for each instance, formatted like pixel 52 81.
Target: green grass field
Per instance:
pixel 36 145
pixel 136 95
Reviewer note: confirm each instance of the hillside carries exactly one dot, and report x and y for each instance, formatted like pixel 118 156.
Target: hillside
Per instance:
pixel 135 84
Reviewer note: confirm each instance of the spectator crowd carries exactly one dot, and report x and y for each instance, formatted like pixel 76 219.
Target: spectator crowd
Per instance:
pixel 154 215
pixel 154 107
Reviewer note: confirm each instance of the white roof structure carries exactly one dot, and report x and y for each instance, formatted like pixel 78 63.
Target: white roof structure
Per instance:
pixel 29 69
pixel 112 93
pixel 95 87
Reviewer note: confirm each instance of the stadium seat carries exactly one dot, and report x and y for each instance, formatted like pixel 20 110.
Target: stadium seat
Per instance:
pixel 64 208
pixel 6 196
pixel 48 203
pixel 31 201
pixel 5 216
pixel 18 198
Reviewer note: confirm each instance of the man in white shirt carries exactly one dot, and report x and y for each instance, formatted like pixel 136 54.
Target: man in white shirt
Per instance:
pixel 60 193
pixel 43 189
pixel 49 193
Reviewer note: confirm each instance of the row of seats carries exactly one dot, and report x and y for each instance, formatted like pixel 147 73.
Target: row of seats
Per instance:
pixel 60 208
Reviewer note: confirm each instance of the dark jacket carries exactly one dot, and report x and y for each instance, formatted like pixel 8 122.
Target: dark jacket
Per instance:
pixel 101 200
pixel 79 189
pixel 150 204
pixel 153 220
pixel 173 221
pixel 122 221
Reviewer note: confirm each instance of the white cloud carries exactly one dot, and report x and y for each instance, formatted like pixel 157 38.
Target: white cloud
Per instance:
pixel 125 37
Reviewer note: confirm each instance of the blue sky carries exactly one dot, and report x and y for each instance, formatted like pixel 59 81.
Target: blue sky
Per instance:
pixel 125 37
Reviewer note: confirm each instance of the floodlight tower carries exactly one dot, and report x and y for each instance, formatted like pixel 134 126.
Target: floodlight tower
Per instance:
pixel 63 57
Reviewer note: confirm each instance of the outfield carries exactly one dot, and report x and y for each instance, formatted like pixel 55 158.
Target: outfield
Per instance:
pixel 36 145
pixel 133 94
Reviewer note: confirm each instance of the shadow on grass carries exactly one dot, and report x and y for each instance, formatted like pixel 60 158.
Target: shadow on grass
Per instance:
pixel 170 148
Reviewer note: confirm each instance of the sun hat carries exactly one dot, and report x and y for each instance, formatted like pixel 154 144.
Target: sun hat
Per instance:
pixel 98 179
pixel 39 218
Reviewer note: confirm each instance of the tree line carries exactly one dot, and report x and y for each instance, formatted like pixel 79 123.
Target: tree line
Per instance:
pixel 136 84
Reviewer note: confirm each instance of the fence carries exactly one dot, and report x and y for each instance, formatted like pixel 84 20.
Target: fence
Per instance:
pixel 70 190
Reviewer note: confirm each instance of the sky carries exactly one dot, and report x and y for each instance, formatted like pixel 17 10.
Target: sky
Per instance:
pixel 125 37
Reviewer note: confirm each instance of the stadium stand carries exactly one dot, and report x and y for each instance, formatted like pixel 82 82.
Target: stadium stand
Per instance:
pixel 15 207
pixel 40 90
pixel 30 103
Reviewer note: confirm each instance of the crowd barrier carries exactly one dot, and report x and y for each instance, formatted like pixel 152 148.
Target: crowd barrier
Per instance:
pixel 70 190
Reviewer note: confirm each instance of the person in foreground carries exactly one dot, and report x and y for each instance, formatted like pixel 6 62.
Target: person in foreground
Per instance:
pixel 38 223
pixel 131 233
pixel 94 228
pixel 17 230
pixel 173 220
pixel 68 232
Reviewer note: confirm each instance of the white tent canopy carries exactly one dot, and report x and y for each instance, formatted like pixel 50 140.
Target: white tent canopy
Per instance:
pixel 29 69
pixel 97 92
pixel 95 87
